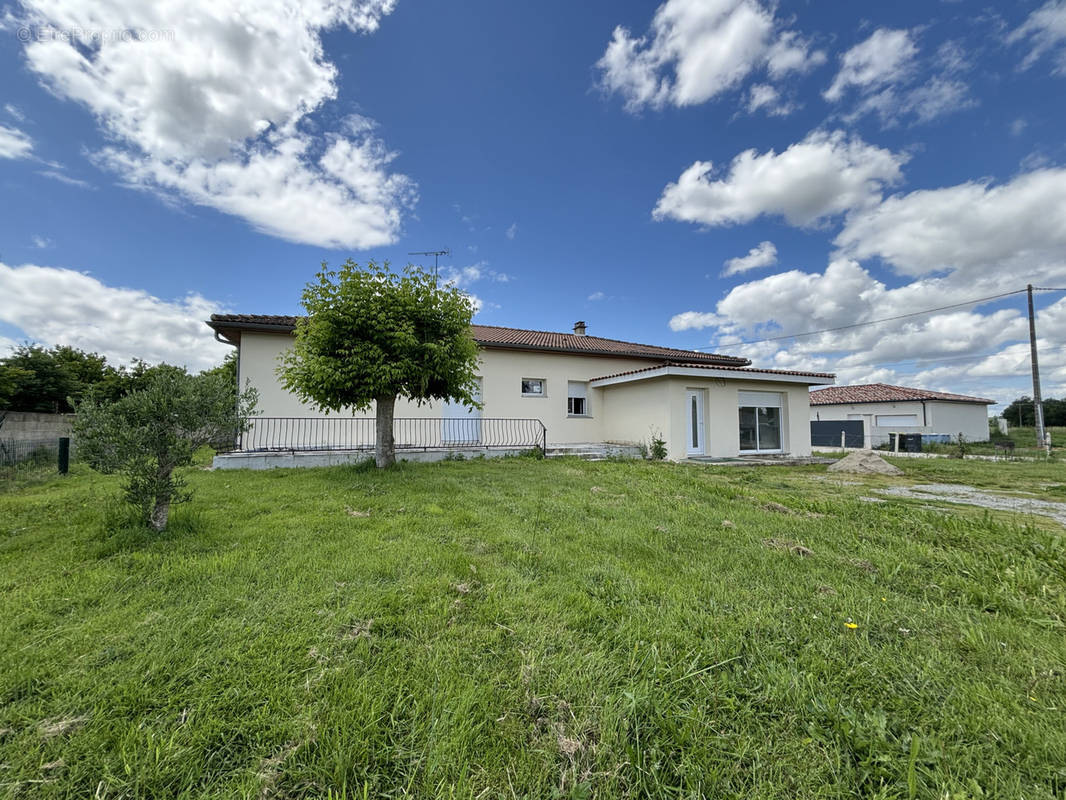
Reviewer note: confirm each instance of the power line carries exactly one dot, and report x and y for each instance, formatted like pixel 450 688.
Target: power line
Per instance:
pixel 878 321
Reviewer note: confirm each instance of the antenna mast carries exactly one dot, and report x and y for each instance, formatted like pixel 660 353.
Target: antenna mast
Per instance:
pixel 447 251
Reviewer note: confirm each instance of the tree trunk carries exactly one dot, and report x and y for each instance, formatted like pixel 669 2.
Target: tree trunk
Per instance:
pixel 160 514
pixel 385 444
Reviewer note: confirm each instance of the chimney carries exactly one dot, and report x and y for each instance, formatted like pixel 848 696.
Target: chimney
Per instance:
pixel 579 328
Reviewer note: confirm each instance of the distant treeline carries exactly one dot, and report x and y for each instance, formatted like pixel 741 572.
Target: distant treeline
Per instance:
pixel 49 379
pixel 1022 414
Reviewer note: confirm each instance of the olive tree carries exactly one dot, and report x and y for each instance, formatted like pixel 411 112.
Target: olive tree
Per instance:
pixel 371 336
pixel 148 433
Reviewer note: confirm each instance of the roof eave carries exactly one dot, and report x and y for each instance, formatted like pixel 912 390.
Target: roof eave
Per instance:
pixel 538 348
pixel 976 401
pixel 668 370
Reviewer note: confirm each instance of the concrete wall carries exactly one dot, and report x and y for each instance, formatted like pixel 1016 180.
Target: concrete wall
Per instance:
pixel 970 419
pixel 27 426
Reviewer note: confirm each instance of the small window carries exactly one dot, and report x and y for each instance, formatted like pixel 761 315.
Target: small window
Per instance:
pixel 577 404
pixel 533 387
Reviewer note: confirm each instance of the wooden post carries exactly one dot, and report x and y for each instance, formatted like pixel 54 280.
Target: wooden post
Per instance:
pixel 843 441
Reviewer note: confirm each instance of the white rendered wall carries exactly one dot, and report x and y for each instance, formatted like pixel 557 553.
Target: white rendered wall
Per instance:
pixel 969 419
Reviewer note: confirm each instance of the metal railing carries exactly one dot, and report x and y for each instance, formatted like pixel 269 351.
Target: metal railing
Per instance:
pixel 410 433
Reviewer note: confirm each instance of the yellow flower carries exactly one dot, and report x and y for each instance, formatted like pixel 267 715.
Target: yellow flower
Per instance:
pixel 850 625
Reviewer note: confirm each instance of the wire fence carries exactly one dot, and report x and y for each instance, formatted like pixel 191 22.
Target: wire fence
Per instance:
pixel 358 433
pixel 24 456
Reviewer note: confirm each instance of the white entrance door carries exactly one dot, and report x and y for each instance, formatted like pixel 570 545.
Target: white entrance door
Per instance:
pixel 461 424
pixel 695 445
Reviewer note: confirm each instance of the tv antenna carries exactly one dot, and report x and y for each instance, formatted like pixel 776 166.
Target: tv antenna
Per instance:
pixel 447 251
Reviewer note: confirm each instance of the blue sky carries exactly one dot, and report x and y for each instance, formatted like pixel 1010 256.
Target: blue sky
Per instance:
pixel 697 173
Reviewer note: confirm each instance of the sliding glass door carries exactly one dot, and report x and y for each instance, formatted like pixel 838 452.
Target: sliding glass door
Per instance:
pixel 760 422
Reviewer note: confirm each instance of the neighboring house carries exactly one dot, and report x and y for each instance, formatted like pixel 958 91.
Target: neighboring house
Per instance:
pixel 584 389
pixel 886 409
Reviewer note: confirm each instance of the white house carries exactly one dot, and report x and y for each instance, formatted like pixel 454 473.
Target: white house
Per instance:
pixel 885 409
pixel 580 388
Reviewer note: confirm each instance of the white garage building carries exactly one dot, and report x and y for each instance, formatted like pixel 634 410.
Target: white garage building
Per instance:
pixel 886 409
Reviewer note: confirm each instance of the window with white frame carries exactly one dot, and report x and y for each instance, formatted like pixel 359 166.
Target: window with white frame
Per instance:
pixel 577 403
pixel 534 387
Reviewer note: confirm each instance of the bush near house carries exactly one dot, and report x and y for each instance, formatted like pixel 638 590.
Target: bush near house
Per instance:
pixel 534 629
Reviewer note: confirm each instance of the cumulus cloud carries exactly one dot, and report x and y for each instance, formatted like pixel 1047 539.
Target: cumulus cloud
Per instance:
pixel 941 350
pixel 595 296
pixel 53 305
pixel 885 57
pixel 824 175
pixel 891 81
pixel 512 230
pixel 764 97
pixel 14 143
pixel 215 107
pixel 696 50
pixel 763 254
pixel 1044 31
pixel 986 235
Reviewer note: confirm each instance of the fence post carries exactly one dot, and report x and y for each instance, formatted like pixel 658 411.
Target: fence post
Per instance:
pixel 843 441
pixel 64 454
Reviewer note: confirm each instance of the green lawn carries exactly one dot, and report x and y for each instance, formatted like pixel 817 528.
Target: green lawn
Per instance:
pixel 526 628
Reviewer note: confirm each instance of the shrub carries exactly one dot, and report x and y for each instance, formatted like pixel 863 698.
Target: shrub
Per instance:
pixel 148 433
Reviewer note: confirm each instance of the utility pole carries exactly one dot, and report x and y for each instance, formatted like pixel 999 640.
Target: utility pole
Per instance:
pixel 435 253
pixel 1038 403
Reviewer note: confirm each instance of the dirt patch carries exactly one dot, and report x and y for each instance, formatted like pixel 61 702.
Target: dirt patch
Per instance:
pixel 865 462
pixel 728 523
pixel 968 495
pixel 58 726
pixel 777 508
pixel 861 564
pixel 356 513
pixel 356 629
pixel 795 548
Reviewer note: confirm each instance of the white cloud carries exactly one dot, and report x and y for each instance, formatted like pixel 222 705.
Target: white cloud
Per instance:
pixel 14 112
pixel 768 98
pixel 1044 31
pixel 62 177
pixel 595 296
pixel 512 231
pixel 824 175
pixel 698 49
pixel 763 254
pixel 14 143
pixel 947 348
pixel 61 306
pixel 1017 128
pixel 219 112
pixel 988 237
pixel 463 277
pixel 893 83
pixel 885 57
pixel 42 242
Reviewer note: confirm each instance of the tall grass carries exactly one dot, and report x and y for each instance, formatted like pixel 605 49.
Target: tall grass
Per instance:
pixel 524 628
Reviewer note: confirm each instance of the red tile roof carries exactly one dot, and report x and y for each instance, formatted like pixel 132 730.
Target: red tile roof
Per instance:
pixel 755 370
pixel 515 338
pixel 884 393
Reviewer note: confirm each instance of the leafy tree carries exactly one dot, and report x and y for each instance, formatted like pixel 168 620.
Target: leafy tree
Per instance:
pixel 371 336
pixel 148 433
pixel 44 379
pixel 1021 412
